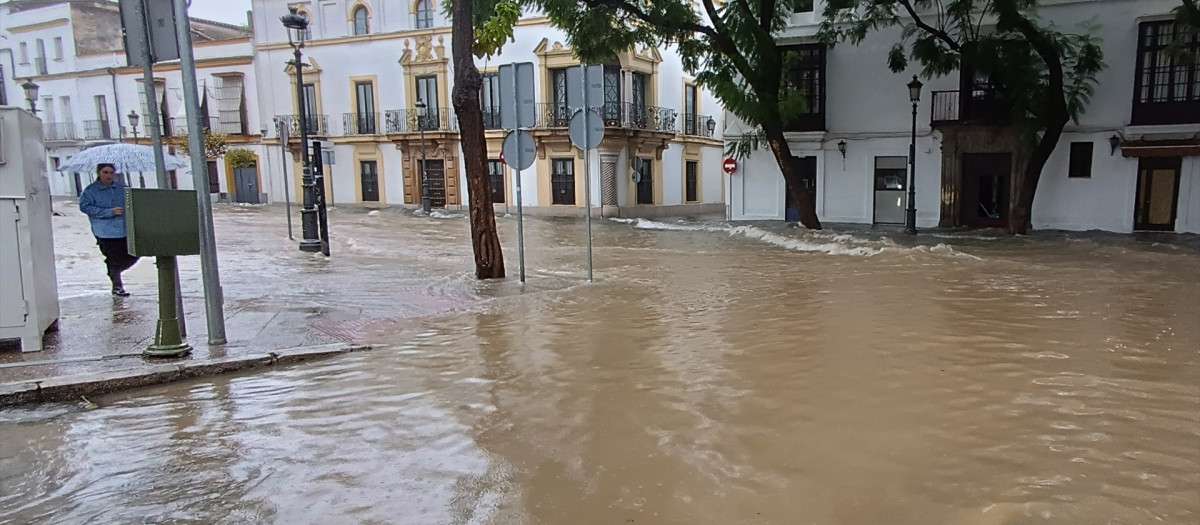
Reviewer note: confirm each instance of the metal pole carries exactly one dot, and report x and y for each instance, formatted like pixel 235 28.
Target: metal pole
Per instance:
pixel 152 100
pixel 910 215
pixel 426 195
pixel 308 214
pixel 517 169
pixel 287 201
pixel 587 168
pixel 213 301
pixel 168 342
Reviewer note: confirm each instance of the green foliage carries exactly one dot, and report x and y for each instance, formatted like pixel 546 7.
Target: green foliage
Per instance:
pixel 730 48
pixel 741 147
pixel 940 35
pixel 1187 18
pixel 497 30
pixel 241 158
pixel 215 143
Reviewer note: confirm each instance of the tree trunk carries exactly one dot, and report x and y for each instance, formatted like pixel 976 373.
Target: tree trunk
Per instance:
pixel 792 174
pixel 1054 111
pixel 489 258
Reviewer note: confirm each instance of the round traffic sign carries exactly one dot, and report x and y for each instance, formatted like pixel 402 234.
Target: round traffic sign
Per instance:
pixel 730 166
pixel 519 148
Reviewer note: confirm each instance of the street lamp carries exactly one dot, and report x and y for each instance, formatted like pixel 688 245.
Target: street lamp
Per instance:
pixel 711 125
pixel 133 122
pixel 910 215
pixel 426 197
pixel 31 94
pixel 297 26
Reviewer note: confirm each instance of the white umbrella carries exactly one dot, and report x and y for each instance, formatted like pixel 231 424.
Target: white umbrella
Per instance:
pixel 125 158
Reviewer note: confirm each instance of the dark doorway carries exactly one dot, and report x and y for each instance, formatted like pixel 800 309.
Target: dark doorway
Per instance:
pixel 437 182
pixel 986 184
pixel 369 173
pixel 78 185
pixel 246 184
pixel 214 180
pixel 496 177
pixel 1157 193
pixel 808 182
pixel 645 181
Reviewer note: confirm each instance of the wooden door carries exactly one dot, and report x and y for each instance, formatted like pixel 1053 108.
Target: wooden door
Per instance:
pixel 1157 193
pixel 986 184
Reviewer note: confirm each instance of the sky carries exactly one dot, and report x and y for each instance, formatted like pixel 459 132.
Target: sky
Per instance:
pixel 228 11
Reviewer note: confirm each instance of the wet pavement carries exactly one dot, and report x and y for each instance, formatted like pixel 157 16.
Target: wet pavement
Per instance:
pixel 714 373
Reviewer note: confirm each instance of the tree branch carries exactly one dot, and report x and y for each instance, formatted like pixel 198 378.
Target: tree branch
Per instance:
pixel 638 13
pixel 940 34
pixel 767 15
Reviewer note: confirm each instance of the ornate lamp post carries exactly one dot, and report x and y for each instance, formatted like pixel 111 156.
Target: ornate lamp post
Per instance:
pixel 297 26
pixel 31 93
pixel 711 125
pixel 910 215
pixel 133 122
pixel 426 197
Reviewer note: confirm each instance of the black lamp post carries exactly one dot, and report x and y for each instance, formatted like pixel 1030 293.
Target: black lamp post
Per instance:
pixel 426 197
pixel 133 122
pixel 297 26
pixel 31 94
pixel 910 215
pixel 711 125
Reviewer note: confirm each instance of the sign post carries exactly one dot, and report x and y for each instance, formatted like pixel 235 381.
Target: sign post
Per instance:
pixel 517 78
pixel 586 131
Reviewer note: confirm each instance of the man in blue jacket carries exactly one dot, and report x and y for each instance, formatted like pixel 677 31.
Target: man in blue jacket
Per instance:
pixel 104 203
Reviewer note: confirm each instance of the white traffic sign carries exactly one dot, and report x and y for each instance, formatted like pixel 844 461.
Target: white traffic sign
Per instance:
pixel 519 150
pixel 516 80
pixel 590 138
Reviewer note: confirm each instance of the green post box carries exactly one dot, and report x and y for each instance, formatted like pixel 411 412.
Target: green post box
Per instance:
pixel 163 224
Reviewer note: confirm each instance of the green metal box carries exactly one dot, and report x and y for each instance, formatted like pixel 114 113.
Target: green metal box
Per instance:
pixel 162 222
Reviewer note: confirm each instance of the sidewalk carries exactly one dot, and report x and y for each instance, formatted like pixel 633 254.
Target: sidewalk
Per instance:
pixel 276 297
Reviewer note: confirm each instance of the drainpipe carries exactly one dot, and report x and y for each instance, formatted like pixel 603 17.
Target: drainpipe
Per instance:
pixel 112 73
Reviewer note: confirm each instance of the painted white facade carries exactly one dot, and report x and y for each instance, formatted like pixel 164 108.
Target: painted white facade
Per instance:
pixel 86 94
pixel 395 51
pixel 868 107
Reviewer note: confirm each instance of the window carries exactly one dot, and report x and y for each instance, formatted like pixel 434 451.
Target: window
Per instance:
pixel 691 115
pixel 361 26
pixel 425 14
pixel 99 128
pixel 369 172
pixel 638 112
pixel 807 76
pixel 562 182
pixel 1081 160
pixel 691 182
pixel 311 118
pixel 1166 88
pixel 3 94
pixel 58 48
pixel 231 105
pixel 40 60
pixel 496 175
pixel 802 6
pixel 558 80
pixel 427 92
pixel 612 93
pixel 489 100
pixel 307 29
pixel 24 54
pixel 364 93
pixel 645 181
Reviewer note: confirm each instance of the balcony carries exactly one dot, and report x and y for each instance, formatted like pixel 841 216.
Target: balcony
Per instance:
pixel 616 115
pixel 983 107
pixel 165 129
pixel 59 131
pixel 697 125
pixel 407 121
pixel 97 130
pixel 315 125
pixel 360 123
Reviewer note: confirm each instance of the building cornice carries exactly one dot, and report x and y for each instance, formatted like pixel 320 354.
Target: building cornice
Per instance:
pixel 395 35
pixel 158 68
pixel 39 26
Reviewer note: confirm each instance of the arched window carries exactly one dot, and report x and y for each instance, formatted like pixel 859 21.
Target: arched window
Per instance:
pixel 425 14
pixel 360 21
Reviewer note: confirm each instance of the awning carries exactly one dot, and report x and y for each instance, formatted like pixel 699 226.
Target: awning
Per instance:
pixel 1161 148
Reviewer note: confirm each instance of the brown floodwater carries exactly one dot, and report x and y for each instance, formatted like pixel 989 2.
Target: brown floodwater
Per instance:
pixel 712 374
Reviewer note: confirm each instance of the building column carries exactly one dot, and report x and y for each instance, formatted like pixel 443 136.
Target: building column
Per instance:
pixel 608 186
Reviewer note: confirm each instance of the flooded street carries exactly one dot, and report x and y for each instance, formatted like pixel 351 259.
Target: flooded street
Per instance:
pixel 712 374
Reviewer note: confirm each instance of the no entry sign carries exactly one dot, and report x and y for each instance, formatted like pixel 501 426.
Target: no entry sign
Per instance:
pixel 730 166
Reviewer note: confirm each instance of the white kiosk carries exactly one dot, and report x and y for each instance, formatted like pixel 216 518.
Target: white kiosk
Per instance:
pixel 28 282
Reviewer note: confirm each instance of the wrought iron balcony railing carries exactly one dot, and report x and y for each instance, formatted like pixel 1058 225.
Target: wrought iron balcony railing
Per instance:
pixel 314 125
pixel 698 125
pixel 361 123
pixel 58 131
pixel 409 121
pixel 97 130
pixel 981 107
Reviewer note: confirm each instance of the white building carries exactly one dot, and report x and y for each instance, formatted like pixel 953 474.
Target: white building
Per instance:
pixel 1150 179
pixel 73 51
pixel 370 61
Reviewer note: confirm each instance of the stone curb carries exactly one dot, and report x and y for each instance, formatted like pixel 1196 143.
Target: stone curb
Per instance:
pixel 71 388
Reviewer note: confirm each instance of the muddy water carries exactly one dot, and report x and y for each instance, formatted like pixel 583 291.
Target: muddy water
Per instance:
pixel 711 375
